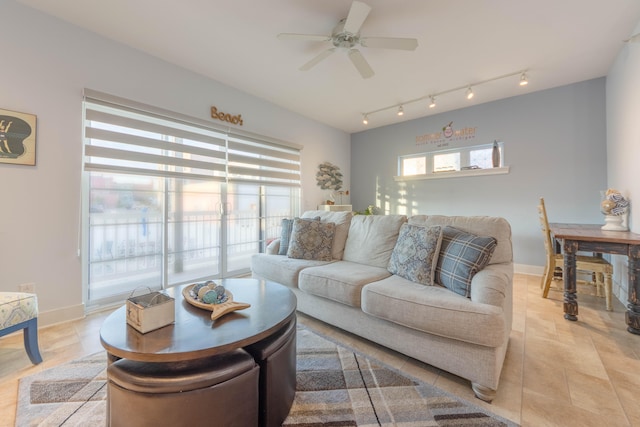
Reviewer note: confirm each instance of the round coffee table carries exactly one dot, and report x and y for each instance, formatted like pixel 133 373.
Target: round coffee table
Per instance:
pixel 161 373
pixel 194 335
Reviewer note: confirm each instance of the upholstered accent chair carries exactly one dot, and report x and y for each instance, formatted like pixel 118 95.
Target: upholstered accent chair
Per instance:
pixel 19 310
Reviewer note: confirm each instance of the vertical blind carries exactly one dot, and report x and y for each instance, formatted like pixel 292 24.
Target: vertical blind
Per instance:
pixel 123 136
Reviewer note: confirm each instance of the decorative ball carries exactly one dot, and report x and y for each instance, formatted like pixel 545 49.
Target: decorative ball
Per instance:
pixel 210 297
pixel 203 291
pixel 196 288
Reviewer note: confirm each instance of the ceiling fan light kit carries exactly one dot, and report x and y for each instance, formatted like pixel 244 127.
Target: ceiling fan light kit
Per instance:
pixel 346 36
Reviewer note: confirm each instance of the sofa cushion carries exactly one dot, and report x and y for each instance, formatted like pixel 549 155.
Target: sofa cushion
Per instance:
pixel 462 255
pixel 311 240
pixel 496 227
pixel 340 281
pixel 342 220
pixel 414 256
pixel 372 239
pixel 280 268
pixel 434 310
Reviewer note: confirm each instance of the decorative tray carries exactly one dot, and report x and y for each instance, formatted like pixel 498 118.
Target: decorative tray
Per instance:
pixel 217 310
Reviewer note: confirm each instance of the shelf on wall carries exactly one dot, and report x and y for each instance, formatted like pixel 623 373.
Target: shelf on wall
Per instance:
pixel 455 174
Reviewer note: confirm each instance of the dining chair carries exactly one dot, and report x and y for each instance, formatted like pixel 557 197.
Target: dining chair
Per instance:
pixel 600 268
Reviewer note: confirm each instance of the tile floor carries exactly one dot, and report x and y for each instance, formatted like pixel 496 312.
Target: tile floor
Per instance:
pixel 556 373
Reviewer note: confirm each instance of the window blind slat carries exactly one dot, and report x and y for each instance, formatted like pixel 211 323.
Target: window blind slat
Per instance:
pixel 154 159
pixel 236 158
pixel 134 140
pixel 90 167
pixel 248 172
pixel 263 151
pixel 111 119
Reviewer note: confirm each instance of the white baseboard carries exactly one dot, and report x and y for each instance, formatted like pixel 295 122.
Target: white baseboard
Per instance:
pixel 52 317
pixel 532 270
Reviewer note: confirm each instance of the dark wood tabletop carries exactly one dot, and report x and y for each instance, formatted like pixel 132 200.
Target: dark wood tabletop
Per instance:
pixel 194 335
pixel 593 233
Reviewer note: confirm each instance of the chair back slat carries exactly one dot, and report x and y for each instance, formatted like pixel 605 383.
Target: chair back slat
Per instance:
pixel 546 233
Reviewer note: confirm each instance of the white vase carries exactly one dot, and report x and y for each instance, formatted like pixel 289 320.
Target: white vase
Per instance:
pixel 614 223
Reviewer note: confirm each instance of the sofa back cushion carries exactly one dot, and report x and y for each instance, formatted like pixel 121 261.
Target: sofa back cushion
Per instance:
pixel 496 227
pixel 342 220
pixel 372 238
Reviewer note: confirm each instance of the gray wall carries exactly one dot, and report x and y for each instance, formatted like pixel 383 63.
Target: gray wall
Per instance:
pixel 623 143
pixel 46 65
pixel 554 143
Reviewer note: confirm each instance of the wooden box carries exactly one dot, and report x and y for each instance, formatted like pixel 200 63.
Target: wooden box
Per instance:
pixel 151 311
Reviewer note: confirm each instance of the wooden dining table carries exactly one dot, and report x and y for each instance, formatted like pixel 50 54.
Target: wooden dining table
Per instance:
pixel 591 238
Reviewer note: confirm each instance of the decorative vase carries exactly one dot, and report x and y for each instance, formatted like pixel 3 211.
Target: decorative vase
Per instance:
pixel 495 155
pixel 614 223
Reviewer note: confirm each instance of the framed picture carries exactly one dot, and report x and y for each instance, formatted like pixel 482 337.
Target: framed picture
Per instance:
pixel 17 138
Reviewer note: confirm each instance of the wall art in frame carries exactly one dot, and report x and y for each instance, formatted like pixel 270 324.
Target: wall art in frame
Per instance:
pixel 17 138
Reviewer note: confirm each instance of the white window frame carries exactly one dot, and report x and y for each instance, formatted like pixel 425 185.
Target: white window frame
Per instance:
pixel 466 169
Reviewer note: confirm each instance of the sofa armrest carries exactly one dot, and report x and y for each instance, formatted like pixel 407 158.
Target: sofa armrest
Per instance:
pixel 492 284
pixel 273 248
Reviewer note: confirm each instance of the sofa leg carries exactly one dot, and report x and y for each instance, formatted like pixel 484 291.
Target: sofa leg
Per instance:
pixel 483 393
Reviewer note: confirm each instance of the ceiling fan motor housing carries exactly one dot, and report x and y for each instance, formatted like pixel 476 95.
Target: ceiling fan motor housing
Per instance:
pixel 344 39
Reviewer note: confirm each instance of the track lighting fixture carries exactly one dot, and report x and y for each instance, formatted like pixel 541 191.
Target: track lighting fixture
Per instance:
pixel 469 93
pixel 524 80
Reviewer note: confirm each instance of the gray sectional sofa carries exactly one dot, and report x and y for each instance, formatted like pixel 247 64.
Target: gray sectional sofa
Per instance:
pixel 466 335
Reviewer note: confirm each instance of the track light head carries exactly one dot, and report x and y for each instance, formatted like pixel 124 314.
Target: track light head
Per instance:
pixel 400 111
pixel 365 119
pixel 523 80
pixel 469 93
pixel 432 103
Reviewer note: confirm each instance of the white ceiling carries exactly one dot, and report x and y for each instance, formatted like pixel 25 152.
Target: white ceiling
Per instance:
pixel 459 42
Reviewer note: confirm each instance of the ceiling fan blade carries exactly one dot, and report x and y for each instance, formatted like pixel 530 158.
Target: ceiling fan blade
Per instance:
pixel 389 43
pixel 357 14
pixel 312 37
pixel 309 65
pixel 360 63
pixel 633 39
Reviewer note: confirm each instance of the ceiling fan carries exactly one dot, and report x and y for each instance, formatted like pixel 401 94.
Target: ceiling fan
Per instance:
pixel 346 35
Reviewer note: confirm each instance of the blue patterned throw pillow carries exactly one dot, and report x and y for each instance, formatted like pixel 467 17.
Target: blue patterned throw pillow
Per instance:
pixel 462 255
pixel 415 253
pixel 285 235
pixel 311 240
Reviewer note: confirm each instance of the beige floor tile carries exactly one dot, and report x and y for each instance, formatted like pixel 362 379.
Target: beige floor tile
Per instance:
pixel 556 372
pixel 540 410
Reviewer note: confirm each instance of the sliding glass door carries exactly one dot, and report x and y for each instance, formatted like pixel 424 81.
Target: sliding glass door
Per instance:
pixel 170 202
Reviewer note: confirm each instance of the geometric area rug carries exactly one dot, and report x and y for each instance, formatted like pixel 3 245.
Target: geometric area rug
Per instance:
pixel 336 386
